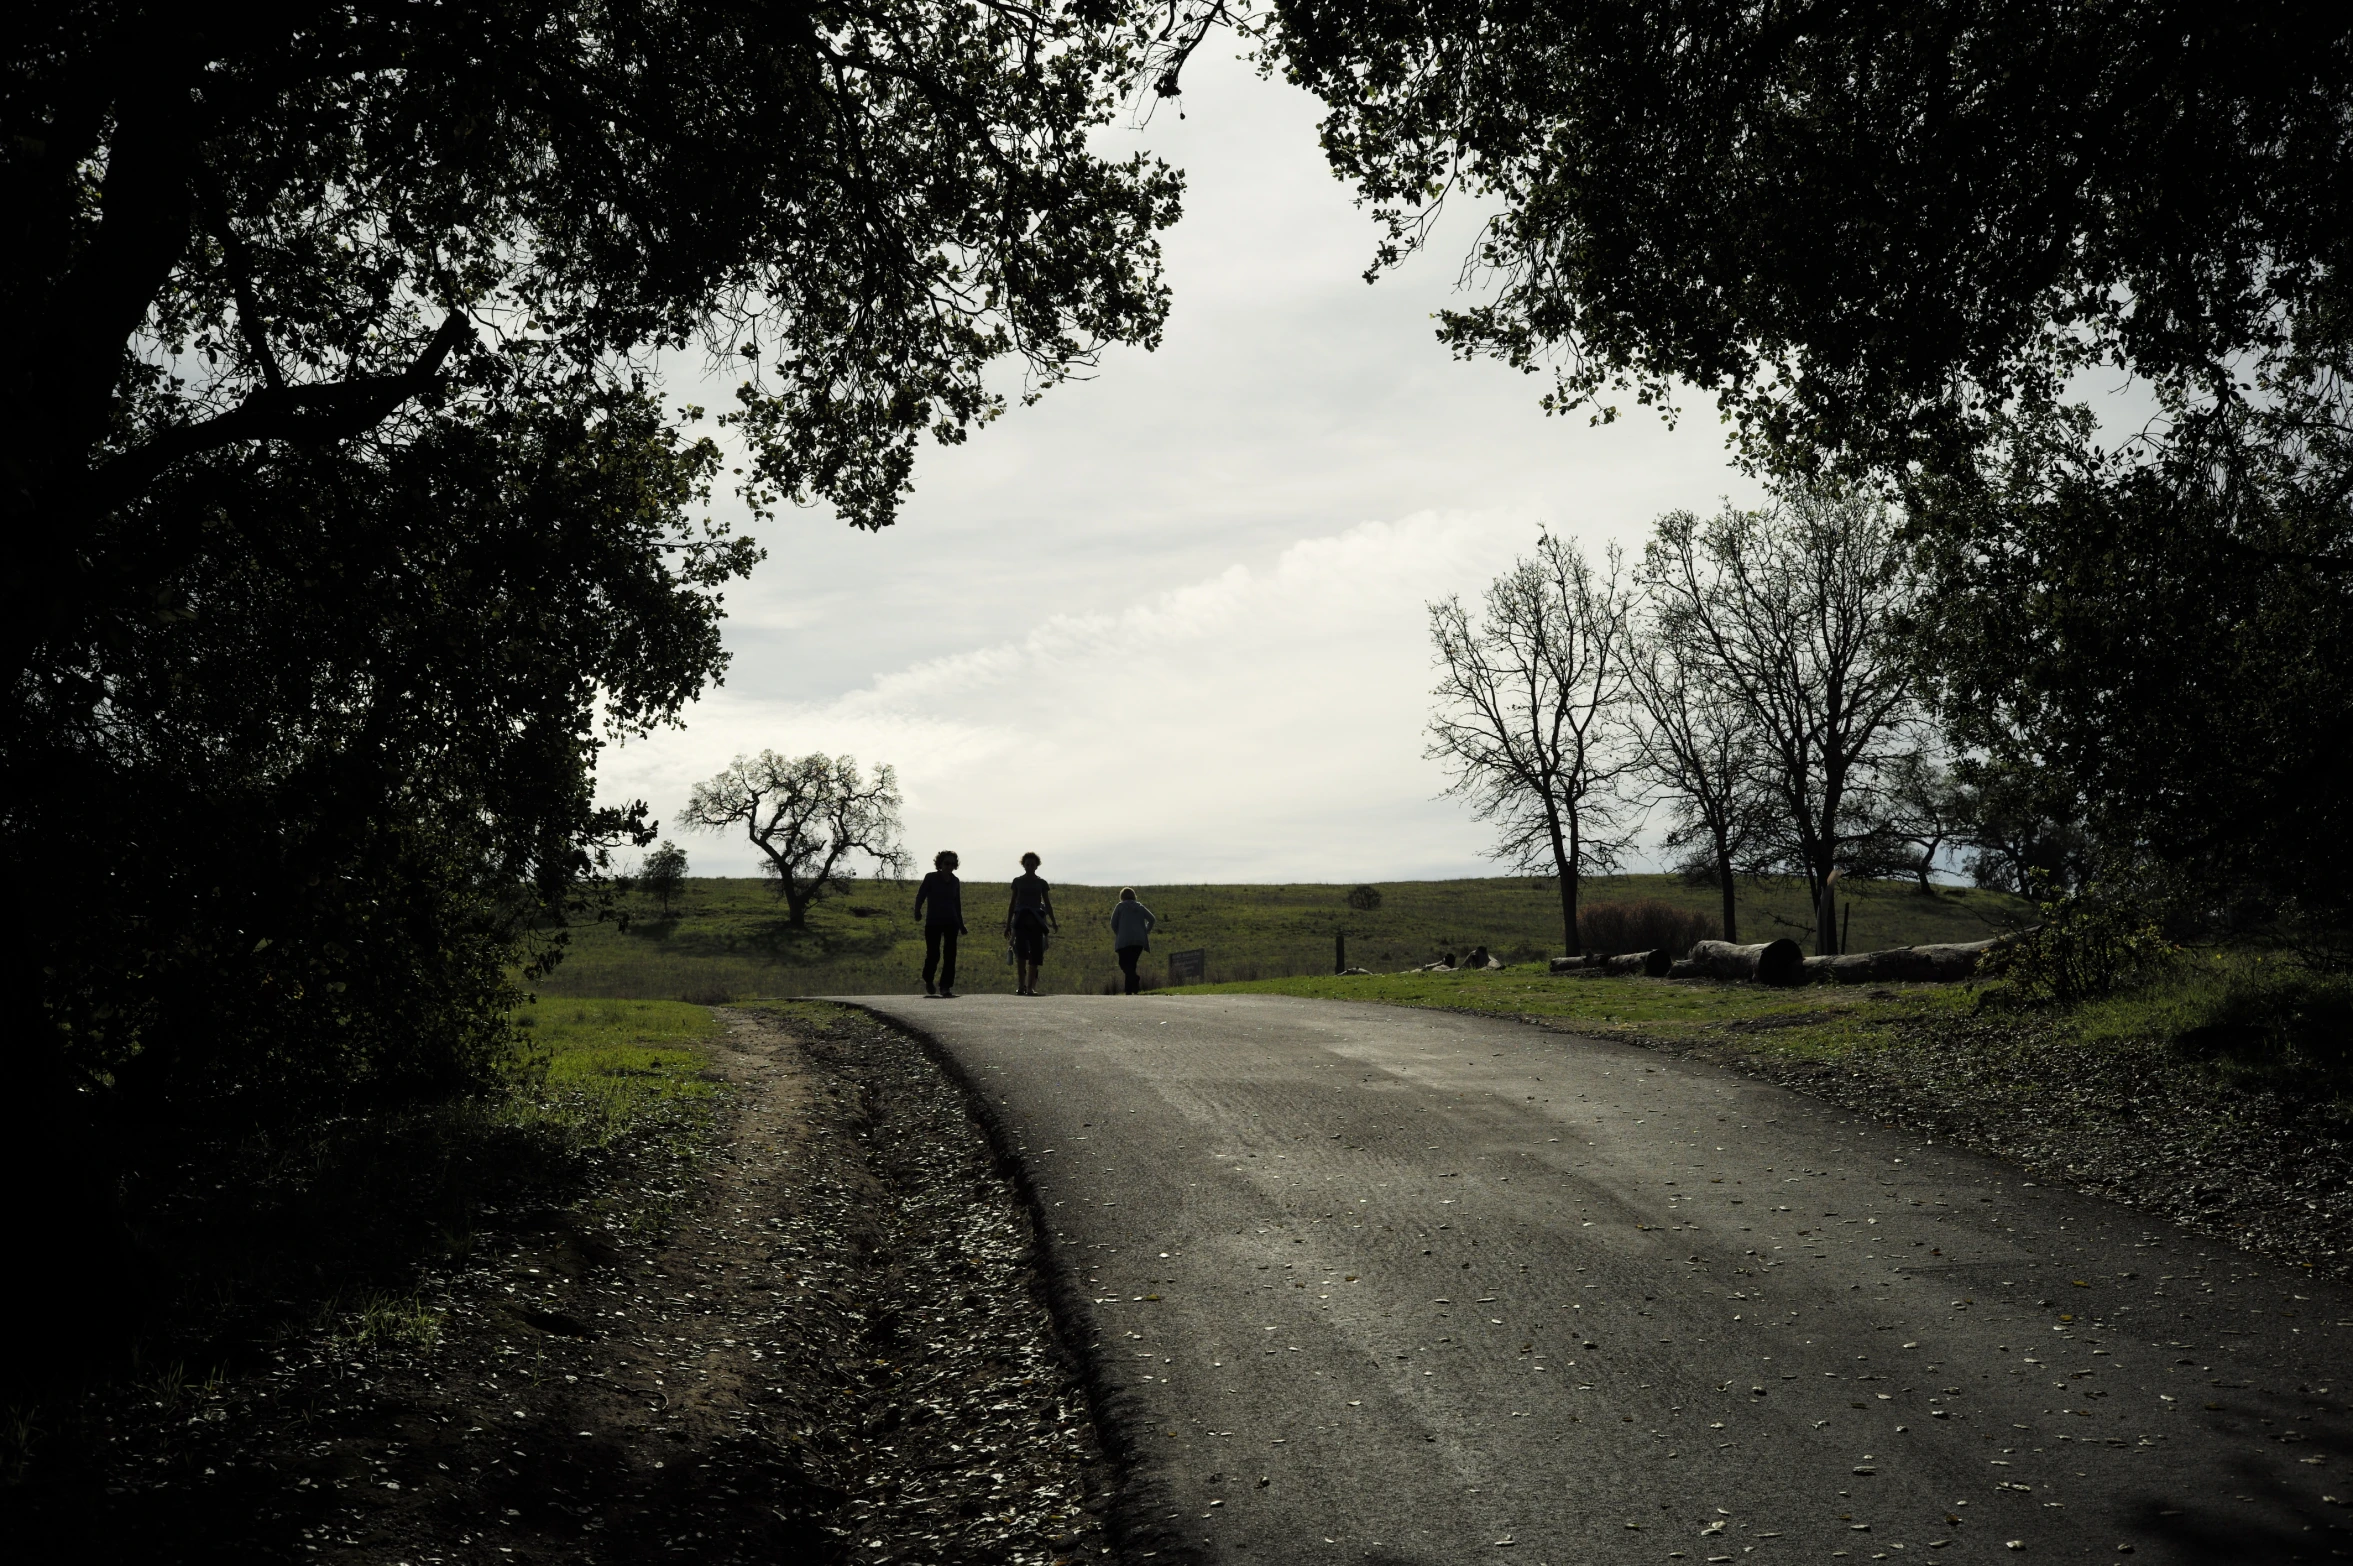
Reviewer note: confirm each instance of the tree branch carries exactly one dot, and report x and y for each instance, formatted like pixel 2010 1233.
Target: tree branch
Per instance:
pixel 334 410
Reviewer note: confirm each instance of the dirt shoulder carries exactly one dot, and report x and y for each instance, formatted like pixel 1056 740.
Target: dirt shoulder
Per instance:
pixel 815 1334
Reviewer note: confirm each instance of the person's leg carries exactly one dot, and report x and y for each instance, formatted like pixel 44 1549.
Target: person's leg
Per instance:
pixel 947 959
pixel 931 958
pixel 1127 967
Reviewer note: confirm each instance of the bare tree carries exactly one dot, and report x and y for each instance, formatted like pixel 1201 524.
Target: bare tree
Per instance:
pixel 1700 751
pixel 1789 611
pixel 1531 714
pixel 808 815
pixel 1932 811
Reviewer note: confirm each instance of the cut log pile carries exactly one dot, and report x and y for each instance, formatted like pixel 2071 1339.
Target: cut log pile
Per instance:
pixel 1783 963
pixel 1904 964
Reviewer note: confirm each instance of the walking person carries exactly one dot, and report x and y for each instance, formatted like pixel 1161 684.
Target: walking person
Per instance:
pixel 1027 919
pixel 1131 935
pixel 939 903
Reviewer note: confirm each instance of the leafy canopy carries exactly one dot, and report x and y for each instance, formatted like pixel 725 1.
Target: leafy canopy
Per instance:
pixel 351 521
pixel 1895 240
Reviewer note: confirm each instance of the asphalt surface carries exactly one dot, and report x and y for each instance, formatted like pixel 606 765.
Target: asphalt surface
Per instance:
pixel 1369 1284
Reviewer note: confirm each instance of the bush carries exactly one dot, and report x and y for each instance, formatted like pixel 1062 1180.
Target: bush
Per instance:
pixel 1642 926
pixel 2277 1023
pixel 1365 899
pixel 2104 936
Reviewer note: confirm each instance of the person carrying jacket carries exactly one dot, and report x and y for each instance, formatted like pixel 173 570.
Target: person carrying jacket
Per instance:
pixel 939 903
pixel 1028 916
pixel 1131 934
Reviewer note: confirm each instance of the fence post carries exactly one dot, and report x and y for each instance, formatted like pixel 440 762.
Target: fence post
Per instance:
pixel 1340 951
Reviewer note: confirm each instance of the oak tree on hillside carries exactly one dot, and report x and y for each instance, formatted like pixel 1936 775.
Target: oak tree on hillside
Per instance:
pixel 808 816
pixel 662 874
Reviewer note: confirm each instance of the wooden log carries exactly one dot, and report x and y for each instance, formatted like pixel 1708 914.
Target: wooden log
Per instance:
pixel 1653 964
pixel 1947 963
pixel 1773 962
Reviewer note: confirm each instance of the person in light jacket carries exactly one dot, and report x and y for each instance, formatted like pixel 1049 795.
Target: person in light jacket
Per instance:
pixel 1131 934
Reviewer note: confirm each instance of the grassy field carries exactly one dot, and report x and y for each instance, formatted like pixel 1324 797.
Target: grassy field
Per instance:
pixel 1820 1020
pixel 725 939
pixel 607 1065
pixel 2249 1020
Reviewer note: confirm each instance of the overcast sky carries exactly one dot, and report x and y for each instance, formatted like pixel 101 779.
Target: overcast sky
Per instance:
pixel 1168 625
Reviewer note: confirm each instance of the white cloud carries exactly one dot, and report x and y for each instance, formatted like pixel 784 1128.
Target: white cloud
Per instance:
pixel 1144 626
pixel 1258 724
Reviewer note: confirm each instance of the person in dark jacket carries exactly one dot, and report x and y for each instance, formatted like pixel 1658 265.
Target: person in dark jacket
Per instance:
pixel 1027 918
pixel 1131 935
pixel 939 903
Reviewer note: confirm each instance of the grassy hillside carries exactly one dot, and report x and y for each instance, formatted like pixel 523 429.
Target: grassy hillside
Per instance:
pixel 728 938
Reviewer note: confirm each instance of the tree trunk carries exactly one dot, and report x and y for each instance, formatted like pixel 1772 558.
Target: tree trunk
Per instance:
pixel 1826 916
pixel 1564 863
pixel 1724 884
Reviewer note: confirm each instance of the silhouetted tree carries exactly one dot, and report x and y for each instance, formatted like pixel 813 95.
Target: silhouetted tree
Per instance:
pixel 807 815
pixel 1531 713
pixel 1892 240
pixel 1701 751
pixel 1789 613
pixel 345 508
pixel 662 875
pixel 348 521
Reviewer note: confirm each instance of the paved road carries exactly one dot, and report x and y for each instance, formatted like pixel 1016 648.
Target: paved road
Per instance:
pixel 1404 1287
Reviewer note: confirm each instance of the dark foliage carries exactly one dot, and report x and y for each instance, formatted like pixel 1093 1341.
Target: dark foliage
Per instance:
pixel 2164 657
pixel 662 875
pixel 348 523
pixel 1893 239
pixel 2089 941
pixel 1641 926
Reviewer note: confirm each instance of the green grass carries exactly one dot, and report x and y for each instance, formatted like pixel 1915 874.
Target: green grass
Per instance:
pixel 729 938
pixel 2258 1022
pixel 2261 1020
pixel 609 1064
pixel 1817 1020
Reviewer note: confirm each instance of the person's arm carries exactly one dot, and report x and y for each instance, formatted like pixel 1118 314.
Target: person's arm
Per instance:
pixel 921 892
pixel 1047 895
pixel 1010 904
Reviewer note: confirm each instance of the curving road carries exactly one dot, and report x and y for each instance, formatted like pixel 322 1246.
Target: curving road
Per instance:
pixel 1370 1284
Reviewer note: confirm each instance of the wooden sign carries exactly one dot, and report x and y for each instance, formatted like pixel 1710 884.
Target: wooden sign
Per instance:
pixel 1188 967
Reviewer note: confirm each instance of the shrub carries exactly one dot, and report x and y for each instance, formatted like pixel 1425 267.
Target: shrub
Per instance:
pixel 1644 925
pixel 2095 940
pixel 2277 1023
pixel 1365 899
